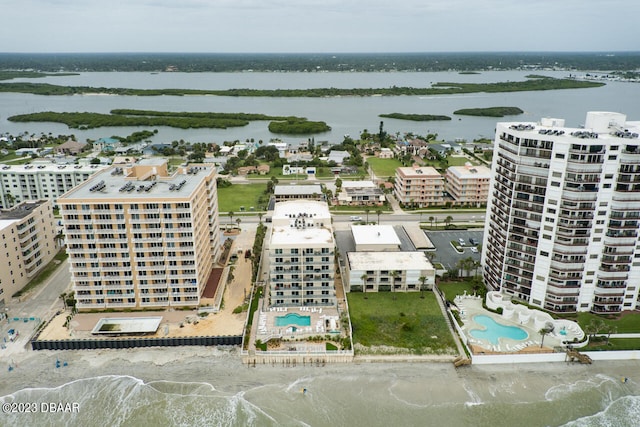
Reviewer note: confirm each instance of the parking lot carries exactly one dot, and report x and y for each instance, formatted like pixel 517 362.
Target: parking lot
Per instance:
pixel 446 254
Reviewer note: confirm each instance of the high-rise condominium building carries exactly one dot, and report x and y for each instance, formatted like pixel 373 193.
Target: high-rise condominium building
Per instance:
pixel 301 255
pixel 141 237
pixel 27 244
pixel 36 182
pixel 564 214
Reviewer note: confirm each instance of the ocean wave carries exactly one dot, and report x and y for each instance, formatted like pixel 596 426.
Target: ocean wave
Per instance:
pixel 622 412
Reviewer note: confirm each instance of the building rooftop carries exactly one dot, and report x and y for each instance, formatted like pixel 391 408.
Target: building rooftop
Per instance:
pixel 346 184
pixel 50 167
pixel 375 235
pixel 18 212
pixel 470 171
pixel 292 190
pixel 294 208
pixel 421 172
pixel 293 236
pixel 388 261
pixel 599 127
pixel 115 183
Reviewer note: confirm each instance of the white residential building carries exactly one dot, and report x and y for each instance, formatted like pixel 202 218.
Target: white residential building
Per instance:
pixel 140 237
pixel 301 255
pixel 389 271
pixel 43 181
pixel 563 216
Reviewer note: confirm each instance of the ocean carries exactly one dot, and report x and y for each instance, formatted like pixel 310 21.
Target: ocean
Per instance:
pixel 213 388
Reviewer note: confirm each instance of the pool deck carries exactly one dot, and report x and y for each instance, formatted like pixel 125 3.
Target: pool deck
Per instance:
pixel 320 322
pixel 470 306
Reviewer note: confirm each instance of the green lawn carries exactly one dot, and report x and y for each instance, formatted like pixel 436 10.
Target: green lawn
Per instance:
pixel 407 322
pixel 233 197
pixel 383 167
pixel 614 344
pixel 458 161
pixel 451 289
pixel 626 323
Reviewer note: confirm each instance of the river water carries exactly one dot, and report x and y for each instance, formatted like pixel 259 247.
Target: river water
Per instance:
pixel 215 389
pixel 134 388
pixel 345 115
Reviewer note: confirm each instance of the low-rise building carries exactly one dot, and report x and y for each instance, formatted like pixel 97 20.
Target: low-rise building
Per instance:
pixel 360 193
pixel 378 238
pixel 385 153
pixel 283 193
pixel 389 272
pixel 27 244
pixel 420 186
pixel 468 185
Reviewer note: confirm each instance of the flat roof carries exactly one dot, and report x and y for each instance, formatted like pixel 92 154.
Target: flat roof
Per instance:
pixel 418 237
pixel 422 171
pixel 50 167
pixel 127 325
pixel 358 184
pixel 388 261
pixel 291 190
pixel 110 183
pixel 375 235
pixel 470 171
pixel 293 208
pixel 292 236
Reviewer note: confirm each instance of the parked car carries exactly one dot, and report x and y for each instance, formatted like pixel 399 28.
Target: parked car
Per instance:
pixel 355 218
pixel 473 241
pixel 461 241
pixel 474 249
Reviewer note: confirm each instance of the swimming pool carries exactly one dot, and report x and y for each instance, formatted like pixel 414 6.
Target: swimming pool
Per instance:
pixel 494 331
pixel 293 319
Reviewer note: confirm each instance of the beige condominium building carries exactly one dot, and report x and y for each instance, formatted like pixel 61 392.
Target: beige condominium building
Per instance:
pixel 40 181
pixel 420 186
pixel 563 217
pixel 301 255
pixel 27 244
pixel 141 237
pixel 468 185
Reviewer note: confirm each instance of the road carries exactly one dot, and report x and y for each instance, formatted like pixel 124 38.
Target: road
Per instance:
pixel 40 304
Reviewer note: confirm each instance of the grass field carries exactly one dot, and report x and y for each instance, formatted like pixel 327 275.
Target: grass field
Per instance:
pixel 237 195
pixel 406 322
pixel 451 289
pixel 383 167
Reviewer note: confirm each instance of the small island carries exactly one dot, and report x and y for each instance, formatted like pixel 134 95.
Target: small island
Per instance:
pixel 415 117
pixel 181 120
pixel 490 111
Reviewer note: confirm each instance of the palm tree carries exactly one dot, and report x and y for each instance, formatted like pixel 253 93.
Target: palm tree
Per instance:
pixel 431 218
pixel 364 278
pixel 63 297
pixel 378 212
pixel 544 331
pixel 422 280
pixel 231 213
pixel 448 220
pixel 394 274
pixel 260 215
pixel 366 211
pixel 238 221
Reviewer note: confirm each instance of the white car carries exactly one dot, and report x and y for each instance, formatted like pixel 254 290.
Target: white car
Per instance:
pixel 474 249
pixel 355 218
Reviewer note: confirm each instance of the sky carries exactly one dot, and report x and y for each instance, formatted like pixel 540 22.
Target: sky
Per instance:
pixel 322 26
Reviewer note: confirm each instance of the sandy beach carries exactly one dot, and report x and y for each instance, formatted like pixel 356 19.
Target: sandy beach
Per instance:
pixel 558 393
